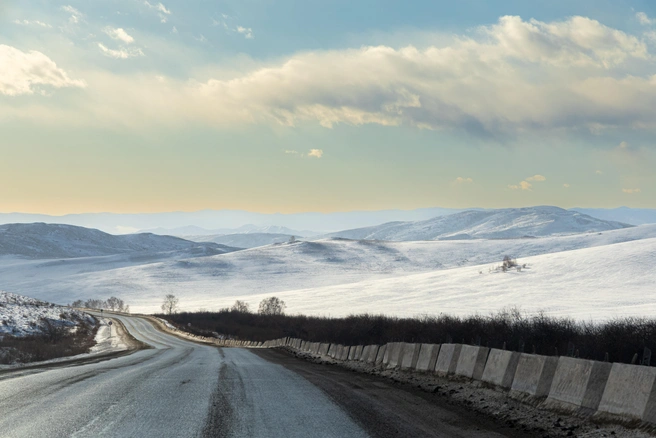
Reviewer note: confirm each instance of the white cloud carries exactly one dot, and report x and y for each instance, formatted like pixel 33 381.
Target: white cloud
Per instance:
pixel 631 191
pixel 624 145
pixel 566 186
pixel 460 180
pixel 316 153
pixel 583 74
pixel 121 53
pixel 174 30
pixel 288 151
pixel 28 72
pixel 536 178
pixel 32 23
pixel 644 19
pixel 75 14
pixel 246 31
pixel 161 10
pixel 524 185
pixel 599 172
pixel 119 34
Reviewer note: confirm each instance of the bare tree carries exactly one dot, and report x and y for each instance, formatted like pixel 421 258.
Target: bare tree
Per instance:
pixel 170 304
pixel 272 306
pixel 114 304
pixel 77 303
pixel 241 307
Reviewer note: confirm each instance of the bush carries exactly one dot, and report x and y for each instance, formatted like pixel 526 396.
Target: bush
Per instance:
pixel 620 338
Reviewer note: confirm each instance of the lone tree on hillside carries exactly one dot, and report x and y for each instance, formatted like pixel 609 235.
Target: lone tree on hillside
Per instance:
pixel 272 306
pixel 240 307
pixel 170 304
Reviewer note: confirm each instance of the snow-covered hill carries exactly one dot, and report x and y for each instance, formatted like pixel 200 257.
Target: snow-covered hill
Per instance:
pixel 489 224
pixel 596 284
pixel 246 240
pixel 48 241
pixel 215 282
pixel 20 316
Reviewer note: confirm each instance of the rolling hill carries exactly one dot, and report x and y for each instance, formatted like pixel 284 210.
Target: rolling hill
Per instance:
pixel 49 241
pixel 488 224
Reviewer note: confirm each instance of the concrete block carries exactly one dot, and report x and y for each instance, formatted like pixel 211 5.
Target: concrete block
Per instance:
pixel 500 368
pixel 365 353
pixel 569 384
pixel 534 375
pixel 380 355
pixel 394 354
pixel 471 362
pixel 331 350
pixel 323 349
pixel 351 354
pixel 358 352
pixel 409 356
pixel 373 353
pixel 447 359
pixel 427 356
pixel 629 393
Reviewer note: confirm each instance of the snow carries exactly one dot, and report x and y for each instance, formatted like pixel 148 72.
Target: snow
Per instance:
pixel 21 316
pixel 490 224
pixel 244 240
pixel 47 241
pixel 107 339
pixel 217 281
pixel 597 284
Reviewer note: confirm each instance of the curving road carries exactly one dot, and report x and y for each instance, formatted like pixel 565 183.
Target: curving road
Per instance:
pixel 182 389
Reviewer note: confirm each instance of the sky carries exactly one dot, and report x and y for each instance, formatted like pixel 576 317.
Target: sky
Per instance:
pixel 305 105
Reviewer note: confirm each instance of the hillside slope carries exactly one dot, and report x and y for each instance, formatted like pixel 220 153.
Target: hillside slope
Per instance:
pixel 245 240
pixel 490 224
pixel 47 241
pixel 597 283
pixel 217 281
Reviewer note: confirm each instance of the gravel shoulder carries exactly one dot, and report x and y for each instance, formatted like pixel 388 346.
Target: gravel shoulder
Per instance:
pixel 401 403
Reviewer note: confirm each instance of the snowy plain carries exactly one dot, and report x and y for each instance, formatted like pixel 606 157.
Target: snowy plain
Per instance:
pixel 213 282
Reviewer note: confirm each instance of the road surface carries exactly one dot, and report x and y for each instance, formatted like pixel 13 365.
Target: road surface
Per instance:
pixel 182 389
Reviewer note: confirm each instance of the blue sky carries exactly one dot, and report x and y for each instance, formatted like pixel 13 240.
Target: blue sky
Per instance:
pixel 288 106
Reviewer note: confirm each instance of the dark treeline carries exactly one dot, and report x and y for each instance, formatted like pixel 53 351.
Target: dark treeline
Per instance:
pixel 540 334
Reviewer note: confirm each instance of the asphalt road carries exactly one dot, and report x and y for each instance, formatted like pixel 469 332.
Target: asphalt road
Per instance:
pixel 182 389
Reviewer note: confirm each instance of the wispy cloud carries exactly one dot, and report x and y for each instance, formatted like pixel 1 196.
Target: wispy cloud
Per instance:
pixel 599 172
pixel 460 181
pixel 631 191
pixel 644 19
pixel 120 53
pixel 624 145
pixel 526 185
pixel 32 23
pixel 316 153
pixel 161 10
pixel 75 14
pixel 566 186
pixel 29 72
pixel 291 152
pixel 119 34
pixel 246 31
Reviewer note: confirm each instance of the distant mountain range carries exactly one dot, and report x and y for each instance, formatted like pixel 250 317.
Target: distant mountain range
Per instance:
pixel 633 216
pixel 246 229
pixel 489 224
pixel 47 241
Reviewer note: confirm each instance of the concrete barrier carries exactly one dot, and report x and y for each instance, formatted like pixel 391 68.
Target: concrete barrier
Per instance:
pixel 500 368
pixel 471 362
pixel 358 352
pixel 331 350
pixel 409 356
pixel 365 353
pixel 394 354
pixel 578 385
pixel 629 394
pixel 373 352
pixel 380 356
pixel 427 357
pixel 351 354
pixel 323 349
pixel 447 360
pixel 534 375
pixel 345 353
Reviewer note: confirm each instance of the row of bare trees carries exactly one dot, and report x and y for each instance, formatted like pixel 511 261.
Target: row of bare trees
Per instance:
pixel 112 303
pixel 268 306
